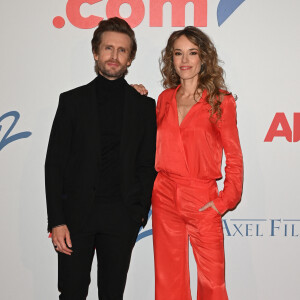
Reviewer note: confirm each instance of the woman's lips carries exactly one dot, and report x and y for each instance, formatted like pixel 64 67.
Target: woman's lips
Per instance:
pixel 183 68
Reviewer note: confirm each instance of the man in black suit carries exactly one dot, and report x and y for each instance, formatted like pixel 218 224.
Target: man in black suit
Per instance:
pixel 99 169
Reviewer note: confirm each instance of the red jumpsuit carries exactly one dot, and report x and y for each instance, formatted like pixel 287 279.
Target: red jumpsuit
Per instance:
pixel 188 161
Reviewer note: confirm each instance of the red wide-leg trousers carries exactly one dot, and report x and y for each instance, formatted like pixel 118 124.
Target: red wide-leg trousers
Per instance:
pixel 176 219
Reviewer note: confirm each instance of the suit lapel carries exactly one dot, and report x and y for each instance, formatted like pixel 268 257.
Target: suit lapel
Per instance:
pixel 129 124
pixel 126 123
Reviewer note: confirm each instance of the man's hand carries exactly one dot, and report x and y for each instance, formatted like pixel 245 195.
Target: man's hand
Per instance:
pixel 209 204
pixel 61 238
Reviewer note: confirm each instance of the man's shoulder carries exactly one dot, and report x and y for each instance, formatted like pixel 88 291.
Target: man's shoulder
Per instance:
pixel 78 91
pixel 141 99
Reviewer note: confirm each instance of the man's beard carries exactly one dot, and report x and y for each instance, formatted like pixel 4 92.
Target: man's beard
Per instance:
pixel 111 73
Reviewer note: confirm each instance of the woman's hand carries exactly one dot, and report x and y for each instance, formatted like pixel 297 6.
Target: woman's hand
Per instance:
pixel 209 204
pixel 140 88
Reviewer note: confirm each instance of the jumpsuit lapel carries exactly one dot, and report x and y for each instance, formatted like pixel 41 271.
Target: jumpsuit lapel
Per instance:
pixel 174 120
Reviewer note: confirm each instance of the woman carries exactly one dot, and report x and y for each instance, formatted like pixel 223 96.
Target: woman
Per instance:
pixel 196 120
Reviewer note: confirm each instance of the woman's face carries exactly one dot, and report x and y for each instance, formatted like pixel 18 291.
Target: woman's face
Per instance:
pixel 186 58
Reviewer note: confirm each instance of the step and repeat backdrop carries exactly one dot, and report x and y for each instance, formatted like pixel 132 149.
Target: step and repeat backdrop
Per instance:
pixel 45 50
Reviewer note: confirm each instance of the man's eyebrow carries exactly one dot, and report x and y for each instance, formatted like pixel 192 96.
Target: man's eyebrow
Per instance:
pixel 109 45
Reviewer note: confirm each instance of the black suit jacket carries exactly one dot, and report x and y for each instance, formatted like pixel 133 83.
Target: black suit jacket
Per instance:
pixel 71 161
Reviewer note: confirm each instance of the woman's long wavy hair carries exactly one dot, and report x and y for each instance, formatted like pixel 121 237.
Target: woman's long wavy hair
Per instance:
pixel 211 74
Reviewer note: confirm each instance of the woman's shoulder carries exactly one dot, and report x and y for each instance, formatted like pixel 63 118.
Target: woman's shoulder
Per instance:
pixel 163 102
pixel 228 108
pixel 228 98
pixel 167 93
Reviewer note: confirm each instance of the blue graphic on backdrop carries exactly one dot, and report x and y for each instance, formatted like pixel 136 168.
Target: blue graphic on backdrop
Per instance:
pixel 226 8
pixel 7 138
pixel 145 233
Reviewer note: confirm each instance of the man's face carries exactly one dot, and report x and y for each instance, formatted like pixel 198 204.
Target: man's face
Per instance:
pixel 113 56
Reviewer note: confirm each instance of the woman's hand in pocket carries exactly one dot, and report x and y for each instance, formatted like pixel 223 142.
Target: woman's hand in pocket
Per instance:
pixel 207 205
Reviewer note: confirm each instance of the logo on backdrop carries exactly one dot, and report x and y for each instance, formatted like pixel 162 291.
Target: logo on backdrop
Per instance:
pixel 280 127
pixel 8 137
pixel 225 9
pixel 261 227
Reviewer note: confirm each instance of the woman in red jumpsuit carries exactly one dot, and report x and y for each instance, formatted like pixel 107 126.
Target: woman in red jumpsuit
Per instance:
pixel 196 120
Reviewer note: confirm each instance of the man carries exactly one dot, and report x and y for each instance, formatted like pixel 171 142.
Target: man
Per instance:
pixel 99 169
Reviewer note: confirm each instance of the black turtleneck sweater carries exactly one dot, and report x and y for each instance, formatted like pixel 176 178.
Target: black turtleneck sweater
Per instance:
pixel 110 95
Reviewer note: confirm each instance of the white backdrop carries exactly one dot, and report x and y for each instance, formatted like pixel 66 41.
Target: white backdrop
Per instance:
pixel 259 43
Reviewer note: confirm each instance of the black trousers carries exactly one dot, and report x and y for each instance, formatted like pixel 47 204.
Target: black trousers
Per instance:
pixel 112 233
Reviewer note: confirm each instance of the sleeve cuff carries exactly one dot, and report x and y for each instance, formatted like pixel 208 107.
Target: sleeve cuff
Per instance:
pixel 55 223
pixel 220 205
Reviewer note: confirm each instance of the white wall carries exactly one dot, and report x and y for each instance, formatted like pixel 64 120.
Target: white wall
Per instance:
pixel 260 46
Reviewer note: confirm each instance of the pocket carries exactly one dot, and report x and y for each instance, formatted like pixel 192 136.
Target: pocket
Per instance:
pixel 214 211
pixel 213 214
pixel 210 212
